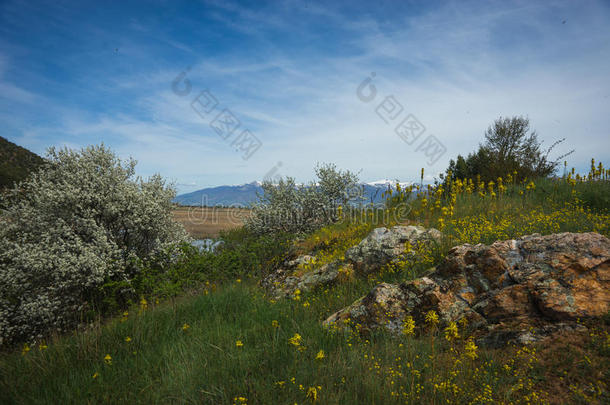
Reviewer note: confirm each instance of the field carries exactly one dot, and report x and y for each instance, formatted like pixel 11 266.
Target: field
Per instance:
pixel 208 222
pixel 226 342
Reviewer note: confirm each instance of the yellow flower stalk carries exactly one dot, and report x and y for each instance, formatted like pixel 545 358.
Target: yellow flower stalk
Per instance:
pixel 312 394
pixel 408 327
pixel 431 318
pixel 451 332
pixel 471 349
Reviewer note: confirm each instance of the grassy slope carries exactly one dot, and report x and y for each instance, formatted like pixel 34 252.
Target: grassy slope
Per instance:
pixel 165 364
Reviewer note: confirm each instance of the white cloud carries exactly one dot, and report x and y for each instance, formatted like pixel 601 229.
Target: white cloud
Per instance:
pixel 448 67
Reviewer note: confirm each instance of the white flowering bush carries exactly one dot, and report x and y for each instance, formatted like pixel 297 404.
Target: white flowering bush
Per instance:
pixel 290 207
pixel 81 220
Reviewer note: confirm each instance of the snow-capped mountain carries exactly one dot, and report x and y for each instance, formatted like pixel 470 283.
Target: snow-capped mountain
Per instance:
pixel 245 194
pixel 386 182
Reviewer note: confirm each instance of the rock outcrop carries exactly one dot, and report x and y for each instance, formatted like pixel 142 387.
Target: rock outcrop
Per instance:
pixel 383 246
pixel 380 247
pixel 514 290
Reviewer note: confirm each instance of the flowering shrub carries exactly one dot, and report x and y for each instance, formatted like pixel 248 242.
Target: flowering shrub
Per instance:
pixel 288 207
pixel 83 219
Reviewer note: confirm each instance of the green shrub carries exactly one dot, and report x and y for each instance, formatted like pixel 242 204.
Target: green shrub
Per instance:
pixel 242 254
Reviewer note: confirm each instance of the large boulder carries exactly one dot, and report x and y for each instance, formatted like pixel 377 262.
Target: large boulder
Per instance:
pixel 515 290
pixel 384 245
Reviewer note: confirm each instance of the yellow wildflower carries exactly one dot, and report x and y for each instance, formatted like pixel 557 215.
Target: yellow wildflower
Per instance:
pixel 451 331
pixel 312 394
pixel 431 318
pixel 185 327
pixel 239 343
pixel 295 340
pixel 108 359
pixel 275 324
pixel 26 349
pixel 408 327
pixel 471 349
pixel 128 339
pixel 320 355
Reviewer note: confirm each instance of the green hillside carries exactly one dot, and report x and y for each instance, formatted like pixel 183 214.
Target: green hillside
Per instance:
pixel 16 163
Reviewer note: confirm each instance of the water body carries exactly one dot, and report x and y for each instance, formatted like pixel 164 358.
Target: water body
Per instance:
pixel 207 245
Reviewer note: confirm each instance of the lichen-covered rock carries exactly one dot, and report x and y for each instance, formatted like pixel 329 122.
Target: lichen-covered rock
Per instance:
pixel 515 290
pixel 325 275
pixel 384 305
pixel 384 245
pixel 301 261
pixel 301 274
pixel 379 248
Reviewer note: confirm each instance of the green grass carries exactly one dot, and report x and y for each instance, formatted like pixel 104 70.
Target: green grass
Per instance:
pixel 169 364
pixel 165 364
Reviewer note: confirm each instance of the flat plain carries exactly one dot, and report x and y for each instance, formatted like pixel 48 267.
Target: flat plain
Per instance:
pixel 208 222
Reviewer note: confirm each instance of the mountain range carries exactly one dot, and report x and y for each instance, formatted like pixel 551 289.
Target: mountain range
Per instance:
pixel 245 194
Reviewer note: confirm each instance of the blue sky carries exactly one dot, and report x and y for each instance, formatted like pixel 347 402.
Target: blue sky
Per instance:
pixel 79 73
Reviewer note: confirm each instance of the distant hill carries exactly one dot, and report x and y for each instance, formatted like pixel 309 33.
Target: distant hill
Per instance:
pixel 245 194
pixel 241 195
pixel 16 163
